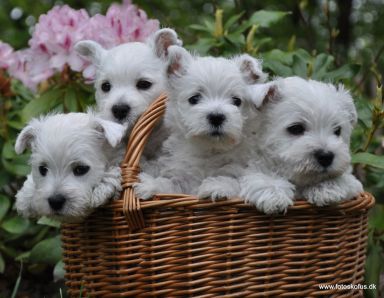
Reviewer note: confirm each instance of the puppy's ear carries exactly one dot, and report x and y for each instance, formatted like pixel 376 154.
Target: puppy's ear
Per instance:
pixel 112 131
pixel 90 50
pixel 26 137
pixel 251 69
pixel 261 95
pixel 163 39
pixel 348 103
pixel 178 60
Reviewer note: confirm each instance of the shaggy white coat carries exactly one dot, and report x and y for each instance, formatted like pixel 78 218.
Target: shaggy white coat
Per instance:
pixel 200 158
pixel 60 143
pixel 123 67
pixel 284 165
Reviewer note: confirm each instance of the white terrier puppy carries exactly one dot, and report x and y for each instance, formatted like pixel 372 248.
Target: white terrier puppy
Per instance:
pixel 74 165
pixel 206 114
pixel 129 77
pixel 301 141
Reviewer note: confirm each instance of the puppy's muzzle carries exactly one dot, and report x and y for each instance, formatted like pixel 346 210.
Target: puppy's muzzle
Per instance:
pixel 56 202
pixel 120 111
pixel 216 120
pixel 324 158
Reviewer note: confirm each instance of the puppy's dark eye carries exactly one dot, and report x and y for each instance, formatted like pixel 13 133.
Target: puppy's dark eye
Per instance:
pixel 337 131
pixel 296 129
pixel 106 86
pixel 80 170
pixel 143 85
pixel 236 101
pixel 194 99
pixel 43 170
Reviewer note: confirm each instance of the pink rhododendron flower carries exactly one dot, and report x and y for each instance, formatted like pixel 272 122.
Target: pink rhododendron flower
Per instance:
pixel 130 23
pixel 30 67
pixel 6 55
pixel 57 32
pixel 101 31
pixel 121 24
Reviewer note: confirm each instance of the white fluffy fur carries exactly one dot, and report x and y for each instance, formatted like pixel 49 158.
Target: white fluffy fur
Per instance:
pixel 284 165
pixel 60 143
pixel 200 158
pixel 123 67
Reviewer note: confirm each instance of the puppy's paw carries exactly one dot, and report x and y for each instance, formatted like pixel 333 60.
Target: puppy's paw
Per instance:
pixel 353 186
pixel 271 201
pixel 321 195
pixel 147 187
pixel 333 191
pixel 269 195
pixel 108 188
pixel 218 187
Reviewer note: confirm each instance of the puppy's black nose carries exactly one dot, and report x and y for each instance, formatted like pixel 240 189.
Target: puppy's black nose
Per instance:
pixel 120 111
pixel 216 119
pixel 56 202
pixel 324 158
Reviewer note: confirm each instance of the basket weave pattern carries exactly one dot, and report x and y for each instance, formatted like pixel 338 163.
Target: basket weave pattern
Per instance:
pixel 178 246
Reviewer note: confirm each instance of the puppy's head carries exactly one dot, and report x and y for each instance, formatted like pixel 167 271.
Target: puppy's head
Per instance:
pixel 306 126
pixel 69 159
pixel 129 76
pixel 207 95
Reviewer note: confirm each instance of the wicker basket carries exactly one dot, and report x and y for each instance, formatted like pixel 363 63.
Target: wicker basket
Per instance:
pixel 177 246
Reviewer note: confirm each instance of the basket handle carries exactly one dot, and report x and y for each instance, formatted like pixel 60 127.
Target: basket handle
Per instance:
pixel 130 165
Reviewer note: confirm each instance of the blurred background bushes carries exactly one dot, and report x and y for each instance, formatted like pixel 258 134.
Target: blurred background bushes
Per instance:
pixel 338 41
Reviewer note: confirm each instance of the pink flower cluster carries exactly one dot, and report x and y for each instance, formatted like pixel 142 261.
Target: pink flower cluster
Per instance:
pixel 6 55
pixel 51 46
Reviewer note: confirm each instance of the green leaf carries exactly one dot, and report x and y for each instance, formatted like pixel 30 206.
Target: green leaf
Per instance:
pixel 265 18
pixel 278 68
pixel 18 165
pixel 2 264
pixel 8 150
pixel 16 124
pixel 303 54
pixel 202 46
pixel 47 251
pixel 373 266
pixel 344 72
pixel 70 100
pixel 232 20
pixel 376 218
pixel 259 42
pixel 18 88
pixel 5 178
pixel 4 206
pixel 23 256
pixel 48 222
pixel 210 25
pixel 59 271
pixel 299 66
pixel 15 225
pixel 199 27
pixel 279 55
pixel 369 159
pixel 236 40
pixel 321 65
pixel 42 104
pixel 240 29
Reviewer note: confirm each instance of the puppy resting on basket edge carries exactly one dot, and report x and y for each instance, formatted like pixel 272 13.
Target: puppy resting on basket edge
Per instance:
pixel 206 114
pixel 301 141
pixel 75 166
